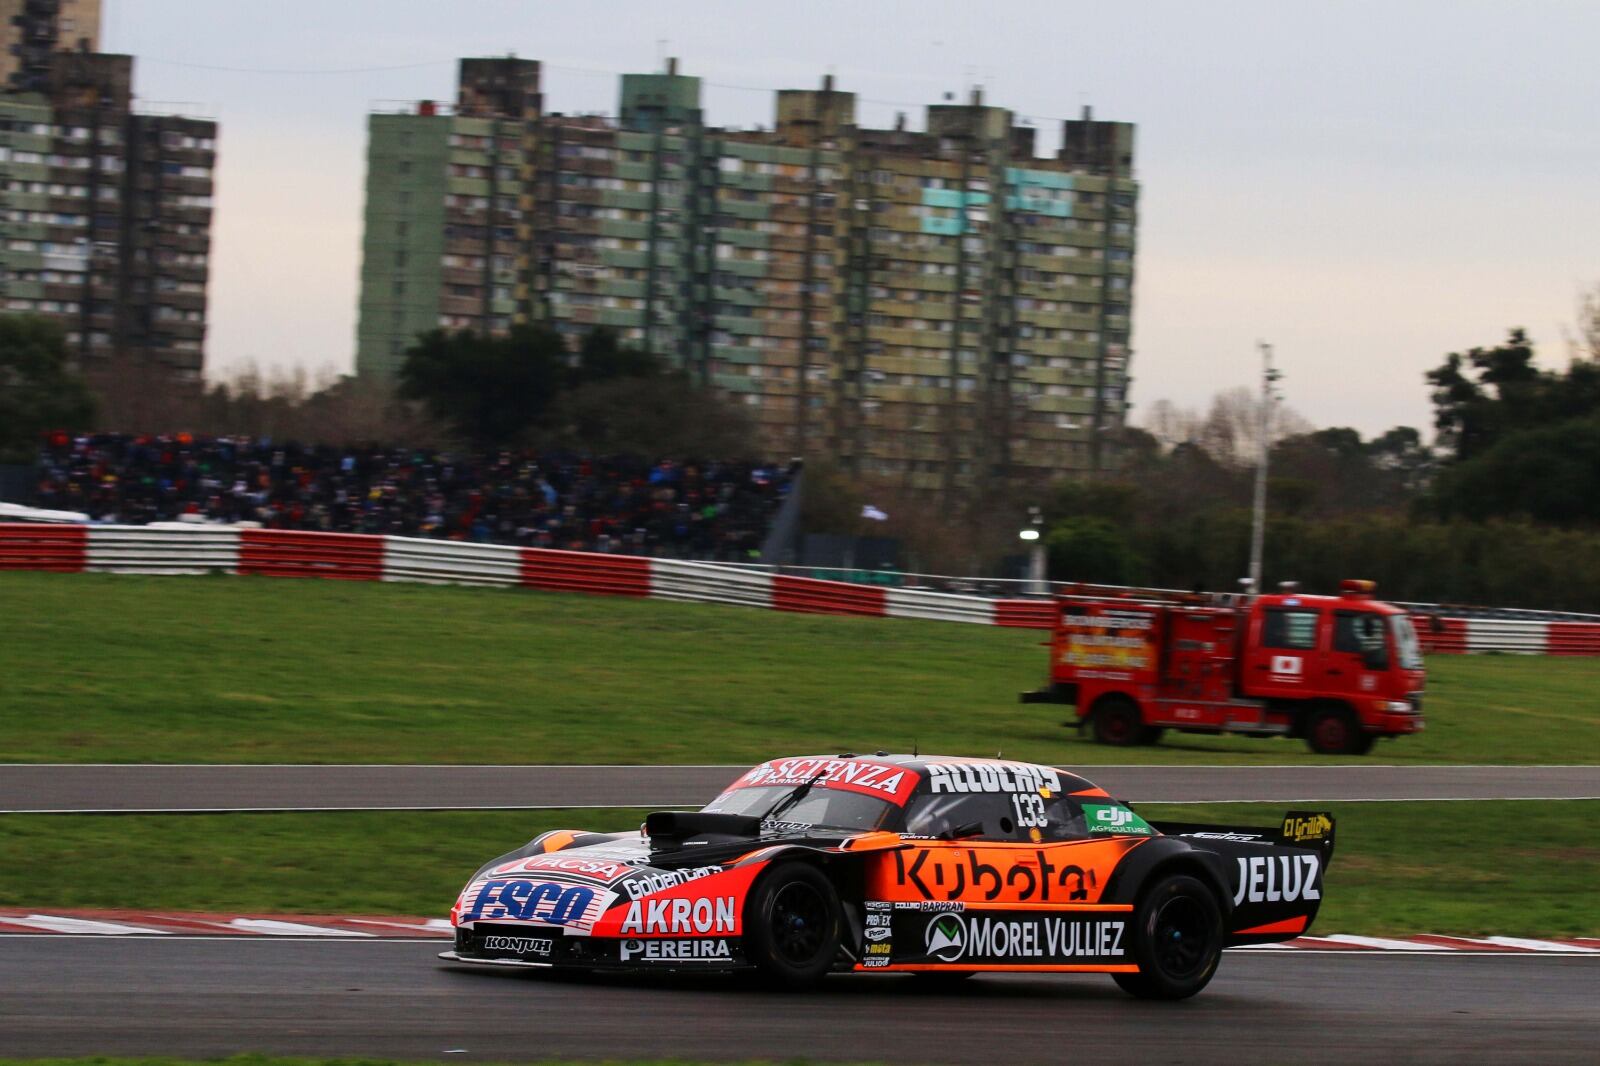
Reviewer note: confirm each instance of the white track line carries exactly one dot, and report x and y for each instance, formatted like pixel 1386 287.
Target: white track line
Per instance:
pixel 1380 943
pixel 82 926
pixel 269 927
pixel 436 925
pixel 1540 945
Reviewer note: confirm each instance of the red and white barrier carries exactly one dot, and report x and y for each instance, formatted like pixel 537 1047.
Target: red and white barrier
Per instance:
pixel 162 549
pixel 179 548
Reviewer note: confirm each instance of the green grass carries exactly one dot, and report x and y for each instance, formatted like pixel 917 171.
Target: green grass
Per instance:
pixel 1467 868
pixel 112 668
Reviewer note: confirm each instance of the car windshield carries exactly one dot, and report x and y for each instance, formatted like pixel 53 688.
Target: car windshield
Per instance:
pixel 1405 641
pixel 833 808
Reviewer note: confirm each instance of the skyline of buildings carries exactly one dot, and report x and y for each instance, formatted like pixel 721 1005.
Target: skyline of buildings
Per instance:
pixel 105 208
pixel 939 305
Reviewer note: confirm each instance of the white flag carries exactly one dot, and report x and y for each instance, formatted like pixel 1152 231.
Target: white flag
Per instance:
pixel 869 511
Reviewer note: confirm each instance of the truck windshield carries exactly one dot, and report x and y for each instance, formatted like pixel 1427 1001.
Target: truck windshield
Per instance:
pixel 830 807
pixel 1405 642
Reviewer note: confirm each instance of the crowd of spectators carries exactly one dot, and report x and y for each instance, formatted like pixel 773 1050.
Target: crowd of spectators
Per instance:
pixel 678 508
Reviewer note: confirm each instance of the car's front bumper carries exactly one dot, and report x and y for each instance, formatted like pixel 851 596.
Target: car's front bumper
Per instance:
pixel 451 956
pixel 531 946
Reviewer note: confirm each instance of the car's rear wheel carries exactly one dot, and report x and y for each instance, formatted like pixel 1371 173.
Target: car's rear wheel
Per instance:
pixel 1335 731
pixel 792 925
pixel 1177 939
pixel 1117 722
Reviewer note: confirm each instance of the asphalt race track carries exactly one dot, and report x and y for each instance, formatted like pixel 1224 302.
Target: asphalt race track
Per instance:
pixel 211 997
pixel 69 787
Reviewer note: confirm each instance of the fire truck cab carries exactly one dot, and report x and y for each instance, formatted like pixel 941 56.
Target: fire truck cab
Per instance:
pixel 1339 671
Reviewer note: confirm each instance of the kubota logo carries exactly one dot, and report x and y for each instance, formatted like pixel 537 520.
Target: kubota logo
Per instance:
pixel 947 937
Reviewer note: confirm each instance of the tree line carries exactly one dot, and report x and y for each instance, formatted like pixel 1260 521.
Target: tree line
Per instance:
pixel 455 389
pixel 1503 509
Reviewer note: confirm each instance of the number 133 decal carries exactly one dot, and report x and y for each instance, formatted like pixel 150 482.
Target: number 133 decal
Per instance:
pixel 1030 811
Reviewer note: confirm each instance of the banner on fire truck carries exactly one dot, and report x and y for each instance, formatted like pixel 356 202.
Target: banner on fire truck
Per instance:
pixel 1108 638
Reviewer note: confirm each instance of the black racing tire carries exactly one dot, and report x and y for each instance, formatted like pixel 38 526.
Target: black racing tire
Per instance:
pixel 792 924
pixel 1151 734
pixel 1177 939
pixel 1335 731
pixel 1117 722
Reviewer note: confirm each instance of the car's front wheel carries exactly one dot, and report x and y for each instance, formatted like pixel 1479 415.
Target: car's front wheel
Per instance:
pixel 792 925
pixel 1177 939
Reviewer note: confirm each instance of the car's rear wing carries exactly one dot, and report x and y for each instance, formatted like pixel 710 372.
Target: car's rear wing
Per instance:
pixel 1300 829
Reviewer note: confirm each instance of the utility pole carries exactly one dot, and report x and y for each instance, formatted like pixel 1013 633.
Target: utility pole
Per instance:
pixel 1258 526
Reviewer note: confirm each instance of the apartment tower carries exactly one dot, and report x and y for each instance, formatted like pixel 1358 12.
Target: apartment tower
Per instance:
pixel 105 210
pixel 937 305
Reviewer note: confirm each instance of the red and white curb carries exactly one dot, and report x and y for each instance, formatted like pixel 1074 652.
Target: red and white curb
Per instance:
pixel 21 921
pixel 15 921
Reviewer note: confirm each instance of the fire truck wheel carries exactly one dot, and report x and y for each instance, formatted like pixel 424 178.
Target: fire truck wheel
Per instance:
pixel 1117 721
pixel 1335 731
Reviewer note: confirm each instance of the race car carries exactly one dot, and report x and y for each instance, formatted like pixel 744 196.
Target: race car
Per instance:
pixel 886 863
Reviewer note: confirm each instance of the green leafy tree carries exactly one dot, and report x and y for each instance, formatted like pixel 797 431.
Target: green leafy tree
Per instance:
pixel 1523 441
pixel 602 357
pixel 1094 550
pixel 1549 474
pixel 491 391
pixel 37 390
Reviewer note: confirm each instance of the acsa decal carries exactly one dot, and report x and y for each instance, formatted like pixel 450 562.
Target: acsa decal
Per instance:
pixel 593 869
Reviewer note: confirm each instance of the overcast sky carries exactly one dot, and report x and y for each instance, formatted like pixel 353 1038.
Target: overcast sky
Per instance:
pixel 1366 185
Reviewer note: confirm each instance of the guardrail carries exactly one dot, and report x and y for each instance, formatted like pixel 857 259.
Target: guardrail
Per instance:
pixel 199 549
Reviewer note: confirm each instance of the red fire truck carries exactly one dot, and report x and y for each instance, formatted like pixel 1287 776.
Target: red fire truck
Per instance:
pixel 1339 671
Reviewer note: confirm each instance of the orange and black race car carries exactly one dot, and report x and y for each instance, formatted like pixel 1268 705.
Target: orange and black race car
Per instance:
pixel 900 864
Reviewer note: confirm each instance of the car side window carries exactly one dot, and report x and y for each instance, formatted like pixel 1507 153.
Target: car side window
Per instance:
pixel 1064 819
pixel 1284 628
pixel 937 815
pixel 1027 817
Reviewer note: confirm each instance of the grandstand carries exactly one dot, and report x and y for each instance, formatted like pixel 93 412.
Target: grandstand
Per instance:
pixel 669 507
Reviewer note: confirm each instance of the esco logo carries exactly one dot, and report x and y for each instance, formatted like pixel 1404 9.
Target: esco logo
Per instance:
pixel 946 938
